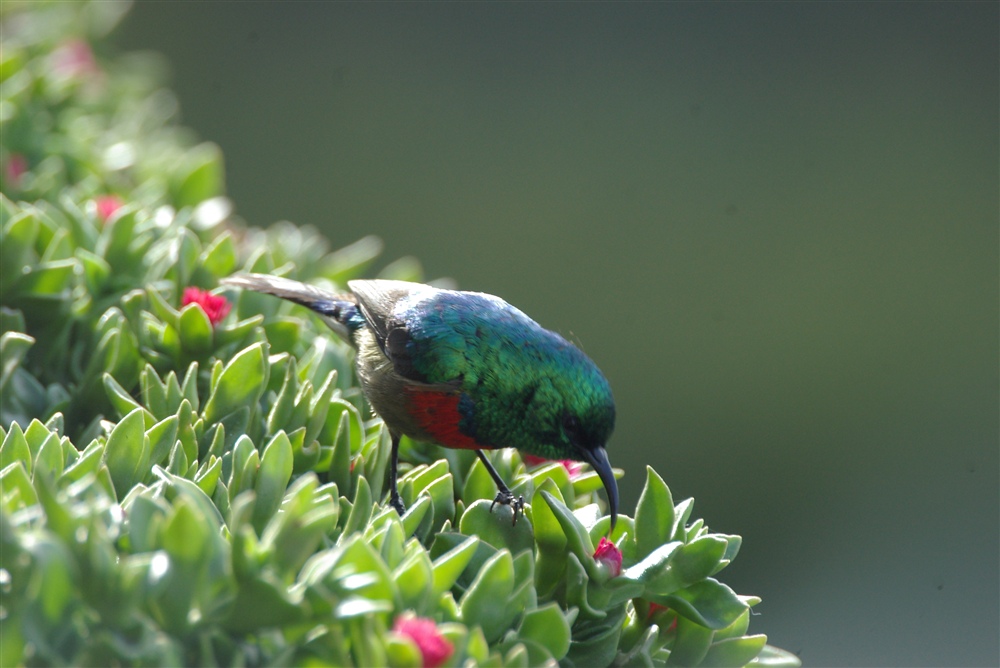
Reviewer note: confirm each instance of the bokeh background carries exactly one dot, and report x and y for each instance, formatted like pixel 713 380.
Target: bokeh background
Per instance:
pixel 773 225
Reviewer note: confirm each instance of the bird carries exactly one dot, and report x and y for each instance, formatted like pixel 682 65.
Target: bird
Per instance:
pixel 464 370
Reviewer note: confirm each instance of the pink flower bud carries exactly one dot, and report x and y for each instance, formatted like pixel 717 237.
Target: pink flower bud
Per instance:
pixel 216 307
pixel 610 556
pixel 572 468
pixel 74 58
pixel 107 205
pixel 654 609
pixel 434 648
pixel 17 165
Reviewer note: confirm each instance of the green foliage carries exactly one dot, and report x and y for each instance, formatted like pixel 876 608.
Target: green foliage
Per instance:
pixel 177 489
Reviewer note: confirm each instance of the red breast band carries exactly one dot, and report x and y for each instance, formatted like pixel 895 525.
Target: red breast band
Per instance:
pixel 437 414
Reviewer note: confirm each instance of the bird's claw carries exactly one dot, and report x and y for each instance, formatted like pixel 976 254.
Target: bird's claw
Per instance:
pixel 505 498
pixel 397 505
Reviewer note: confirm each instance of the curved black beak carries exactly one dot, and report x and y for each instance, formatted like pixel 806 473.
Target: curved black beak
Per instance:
pixel 598 458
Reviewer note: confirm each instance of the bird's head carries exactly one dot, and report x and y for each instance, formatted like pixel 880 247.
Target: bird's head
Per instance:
pixel 573 416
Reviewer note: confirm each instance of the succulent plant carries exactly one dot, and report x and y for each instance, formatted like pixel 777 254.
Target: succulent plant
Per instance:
pixel 186 479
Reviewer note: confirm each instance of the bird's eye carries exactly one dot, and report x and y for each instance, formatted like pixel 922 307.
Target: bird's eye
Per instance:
pixel 571 426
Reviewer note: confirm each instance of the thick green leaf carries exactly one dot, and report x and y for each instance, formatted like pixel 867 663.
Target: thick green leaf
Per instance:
pixel 163 309
pixel 178 462
pixel 11 320
pixel 654 515
pixel 682 511
pixel 737 628
pixel 709 603
pixel 478 484
pixel 49 460
pixel 558 474
pixel 184 255
pixel 96 271
pixel 689 564
pixel 772 657
pixel 52 586
pixel 226 334
pixel 241 383
pixel 654 565
pixel 195 330
pixel 497 527
pixel 188 389
pixel 87 464
pixel 185 533
pixel 734 651
pixel 272 479
pixel 415 514
pixel 361 510
pixel 122 401
pixel 401 651
pixel 691 643
pixel 262 602
pixel 17 251
pixel 220 256
pixel 281 408
pixel 415 581
pixel 127 452
pixel 733 544
pixel 36 434
pixel 47 278
pixel 422 476
pixel 548 627
pixel 208 475
pixel 549 534
pixel 485 602
pixel 577 538
pixel 162 437
pixel 15 449
pixel 595 642
pixel 241 453
pixel 182 487
pixel 154 392
pixel 450 565
pixel 116 237
pixel 13 347
pixel 14 479
pixel 442 494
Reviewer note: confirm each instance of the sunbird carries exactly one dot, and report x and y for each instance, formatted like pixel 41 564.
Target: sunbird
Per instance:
pixel 465 370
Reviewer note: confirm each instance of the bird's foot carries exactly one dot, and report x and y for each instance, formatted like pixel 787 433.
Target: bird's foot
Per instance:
pixel 397 504
pixel 506 498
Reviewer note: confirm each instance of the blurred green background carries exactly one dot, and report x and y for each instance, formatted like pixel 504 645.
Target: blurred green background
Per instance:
pixel 774 226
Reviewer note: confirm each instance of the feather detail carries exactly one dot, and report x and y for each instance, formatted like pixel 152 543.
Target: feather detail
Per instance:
pixel 378 300
pixel 339 312
pixel 437 413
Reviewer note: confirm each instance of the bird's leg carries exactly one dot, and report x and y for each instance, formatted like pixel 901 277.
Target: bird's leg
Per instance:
pixel 394 500
pixel 504 496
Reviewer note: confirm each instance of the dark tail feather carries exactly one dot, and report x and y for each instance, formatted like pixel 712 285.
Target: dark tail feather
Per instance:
pixel 340 312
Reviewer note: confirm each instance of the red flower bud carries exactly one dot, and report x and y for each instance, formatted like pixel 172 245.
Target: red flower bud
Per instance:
pixel 655 608
pixel 572 468
pixel 107 205
pixel 17 165
pixel 216 307
pixel 74 58
pixel 610 556
pixel 434 648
